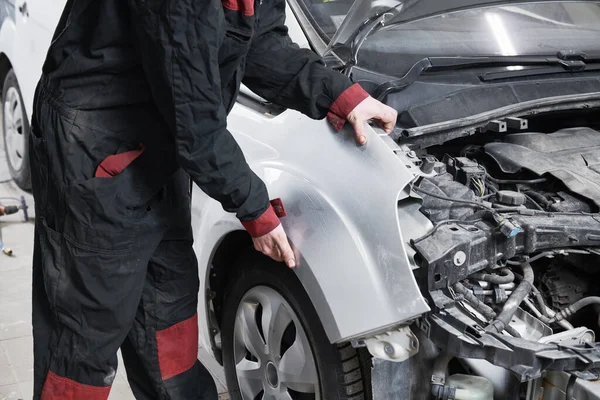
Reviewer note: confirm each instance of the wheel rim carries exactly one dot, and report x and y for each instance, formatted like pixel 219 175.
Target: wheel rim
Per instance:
pixel 273 356
pixel 14 128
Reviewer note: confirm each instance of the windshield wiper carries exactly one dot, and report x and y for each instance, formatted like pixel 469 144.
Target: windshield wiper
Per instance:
pixel 566 61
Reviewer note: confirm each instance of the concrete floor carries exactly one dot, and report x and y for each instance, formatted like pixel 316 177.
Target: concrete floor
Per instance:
pixel 16 343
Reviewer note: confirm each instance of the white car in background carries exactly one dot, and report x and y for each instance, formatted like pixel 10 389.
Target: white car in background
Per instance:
pixel 25 35
pixel 456 258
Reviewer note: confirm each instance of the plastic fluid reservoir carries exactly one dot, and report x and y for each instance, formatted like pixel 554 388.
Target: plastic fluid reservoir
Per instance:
pixel 471 387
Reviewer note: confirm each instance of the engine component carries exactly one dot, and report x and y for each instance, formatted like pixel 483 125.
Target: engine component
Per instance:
pixel 457 333
pixel 439 210
pixel 500 295
pixel 470 387
pixel 476 303
pixel 565 202
pixel 507 227
pixel 569 337
pixel 514 301
pixel 396 346
pixel 554 386
pixel 510 198
pixel 575 307
pixel 427 167
pixel 505 276
pixel 463 169
pixel 562 287
pixel 485 248
pixel 569 155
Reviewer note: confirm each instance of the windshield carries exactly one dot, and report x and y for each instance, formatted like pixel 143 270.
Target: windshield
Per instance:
pixel 521 28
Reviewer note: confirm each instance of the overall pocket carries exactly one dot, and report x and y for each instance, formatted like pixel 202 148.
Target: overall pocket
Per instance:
pixel 103 213
pixel 102 204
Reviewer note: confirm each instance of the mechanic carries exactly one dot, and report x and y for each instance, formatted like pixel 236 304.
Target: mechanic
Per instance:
pixel 132 102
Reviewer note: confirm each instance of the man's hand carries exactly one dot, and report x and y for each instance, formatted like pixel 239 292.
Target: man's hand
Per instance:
pixel 369 109
pixel 275 245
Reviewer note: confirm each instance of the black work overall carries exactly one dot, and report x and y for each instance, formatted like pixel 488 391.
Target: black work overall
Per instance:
pixel 132 103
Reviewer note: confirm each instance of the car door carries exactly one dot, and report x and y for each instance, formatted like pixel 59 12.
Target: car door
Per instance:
pixel 35 22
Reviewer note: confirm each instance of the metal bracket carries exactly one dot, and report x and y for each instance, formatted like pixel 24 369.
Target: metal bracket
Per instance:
pixel 394 346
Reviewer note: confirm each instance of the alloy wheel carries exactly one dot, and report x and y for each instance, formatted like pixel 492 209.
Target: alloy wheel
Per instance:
pixel 14 127
pixel 273 355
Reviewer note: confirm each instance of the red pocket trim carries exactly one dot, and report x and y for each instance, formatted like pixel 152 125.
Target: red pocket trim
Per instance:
pixel 245 6
pixel 177 347
pixel 59 388
pixel 115 164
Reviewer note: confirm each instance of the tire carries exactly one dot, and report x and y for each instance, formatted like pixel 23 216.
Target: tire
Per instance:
pixel 261 286
pixel 15 126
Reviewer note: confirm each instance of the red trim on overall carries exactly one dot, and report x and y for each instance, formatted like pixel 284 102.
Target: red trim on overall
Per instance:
pixel 245 6
pixel 59 388
pixel 177 347
pixel 344 105
pixel 115 164
pixel 263 224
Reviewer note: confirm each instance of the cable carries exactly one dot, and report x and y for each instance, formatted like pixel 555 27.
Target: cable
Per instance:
pixel 442 223
pixel 532 259
pixel 532 201
pixel 442 197
pixel 516 181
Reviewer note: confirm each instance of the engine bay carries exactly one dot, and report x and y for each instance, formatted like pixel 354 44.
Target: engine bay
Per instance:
pixel 511 264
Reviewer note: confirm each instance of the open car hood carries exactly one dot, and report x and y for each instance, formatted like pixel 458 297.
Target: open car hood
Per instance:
pixel 396 11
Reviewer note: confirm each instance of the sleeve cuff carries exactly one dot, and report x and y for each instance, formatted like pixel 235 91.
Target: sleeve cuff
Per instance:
pixel 344 105
pixel 263 224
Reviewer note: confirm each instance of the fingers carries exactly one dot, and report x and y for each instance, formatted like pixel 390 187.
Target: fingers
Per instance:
pixel 276 246
pixel 388 119
pixel 285 252
pixel 359 129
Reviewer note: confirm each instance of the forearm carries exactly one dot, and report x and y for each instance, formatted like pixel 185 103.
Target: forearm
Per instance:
pixel 283 73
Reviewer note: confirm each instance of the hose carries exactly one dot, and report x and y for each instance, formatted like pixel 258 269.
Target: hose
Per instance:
pixel 538 197
pixel 543 308
pixel 517 181
pixel 566 325
pixel 532 201
pixel 514 301
pixel 506 276
pixel 575 307
pixel 484 309
pixel 532 259
pixel 438 378
pixel 541 303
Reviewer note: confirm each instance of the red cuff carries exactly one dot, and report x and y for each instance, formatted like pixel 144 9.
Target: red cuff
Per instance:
pixel 344 105
pixel 263 224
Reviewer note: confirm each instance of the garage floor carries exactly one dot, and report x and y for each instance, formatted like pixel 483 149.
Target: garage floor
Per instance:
pixel 16 343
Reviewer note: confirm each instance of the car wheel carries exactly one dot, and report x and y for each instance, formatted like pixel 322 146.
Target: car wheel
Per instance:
pixel 16 132
pixel 274 346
